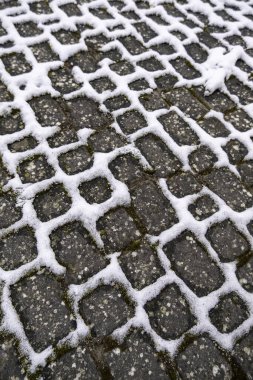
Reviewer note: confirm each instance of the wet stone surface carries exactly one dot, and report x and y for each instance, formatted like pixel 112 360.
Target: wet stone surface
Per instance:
pixel 9 363
pixel 203 207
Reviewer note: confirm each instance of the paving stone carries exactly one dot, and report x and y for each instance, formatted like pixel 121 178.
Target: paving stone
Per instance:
pixel 74 364
pixel 217 100
pixel 227 241
pixel 192 263
pixel 52 202
pixel 102 84
pixel 151 64
pixel 11 123
pixel 229 313
pixel 235 150
pixel 35 169
pixel 9 212
pixel 126 168
pixel 5 95
pixel 203 207
pixel 164 162
pixel 105 309
pixel 184 100
pixel 96 42
pixel 86 113
pixel 122 68
pixel 130 15
pixel 202 159
pixel 163 312
pixel 131 121
pixel 244 93
pixel 71 9
pixel 158 19
pixel 118 229
pixel 76 160
pixel 196 52
pixel 16 63
pixel 9 364
pixel 243 66
pixel 4 175
pixel 163 48
pixel 152 101
pixel 243 353
pixel 172 10
pixel 117 102
pixel 77 252
pixel 246 171
pixel 214 127
pixel 166 82
pixel 66 135
pixel 139 85
pixel 106 140
pixel 178 129
pixel 43 52
pixel 145 31
pixel 152 207
pixel 40 7
pixel 28 29
pixel 132 45
pixel 183 67
pixel 183 184
pixel 48 111
pixel 63 81
pixel 101 13
pixel 227 186
pixel 240 120
pixel 67 37
pixel 97 190
pixel 40 305
pixel 245 274
pixel 236 40
pixel 202 359
pixel 87 61
pixel 208 40
pixel 124 361
pixel 141 266
pixel 179 35
pixel 22 145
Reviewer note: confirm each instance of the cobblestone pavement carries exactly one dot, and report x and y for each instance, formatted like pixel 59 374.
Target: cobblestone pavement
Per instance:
pixel 126 189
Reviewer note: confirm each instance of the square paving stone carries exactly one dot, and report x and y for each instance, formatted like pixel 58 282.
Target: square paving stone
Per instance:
pixel 131 121
pixel 163 161
pixel 126 168
pixel 122 68
pixel 52 202
pixel 203 207
pixel 40 7
pixel 246 171
pixel 75 160
pixel 163 48
pixel 74 364
pixel 11 123
pixel 184 100
pixel 244 93
pixel 4 174
pixel 105 309
pixel 66 135
pixel 202 159
pixel 214 127
pixel 243 353
pixel 158 19
pixel 138 85
pixel 229 313
pixel 136 359
pixel 9 212
pixel 17 248
pixel 28 29
pixel 43 52
pixel 169 313
pixel 106 140
pixel 71 9
pixel 118 230
pixel 196 52
pixel 227 241
pixel 39 302
pixel 183 67
pixel 35 169
pixel 22 145
pixel 5 95
pixel 145 31
pixel 10 367
pixel 152 101
pixel 132 45
pixel 63 81
pixel 235 150
pixel 217 100
pixel 103 84
pixel 117 102
pixel 87 61
pixel 191 262
pixel 202 359
pixel 141 266
pixel 48 111
pixel 16 63
pixel 151 64
pixel 227 186
pixel 240 120
pixel 101 13
pixel 152 207
pixel 75 250
pixel 178 129
pixel 183 184
pixel 67 37
pixel 85 113
pixel 244 274
pixel 166 82
pixel 97 190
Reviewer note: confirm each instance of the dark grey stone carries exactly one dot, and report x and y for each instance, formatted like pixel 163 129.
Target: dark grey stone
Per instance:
pixel 153 101
pixel 76 160
pixel 246 171
pixel 203 207
pixel 102 84
pixel 16 63
pixel 243 352
pixel 106 140
pixel 35 169
pixel 202 159
pixel 214 127
pixel 22 145
pixel 245 274
pixel 117 102
pixel 11 123
pixel 9 363
pixel 240 120
pixel 97 190
pixel 63 80
pixel 43 52
pixel 67 37
pixel 132 45
pixel 28 29
pixel 183 67
pixel 235 150
pixel 146 32
pixel 151 64
pixel 183 184
pixel 131 121
pixel 9 212
pixel 126 168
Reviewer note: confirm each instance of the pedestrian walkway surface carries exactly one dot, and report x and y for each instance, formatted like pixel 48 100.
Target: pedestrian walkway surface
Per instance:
pixel 126 201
